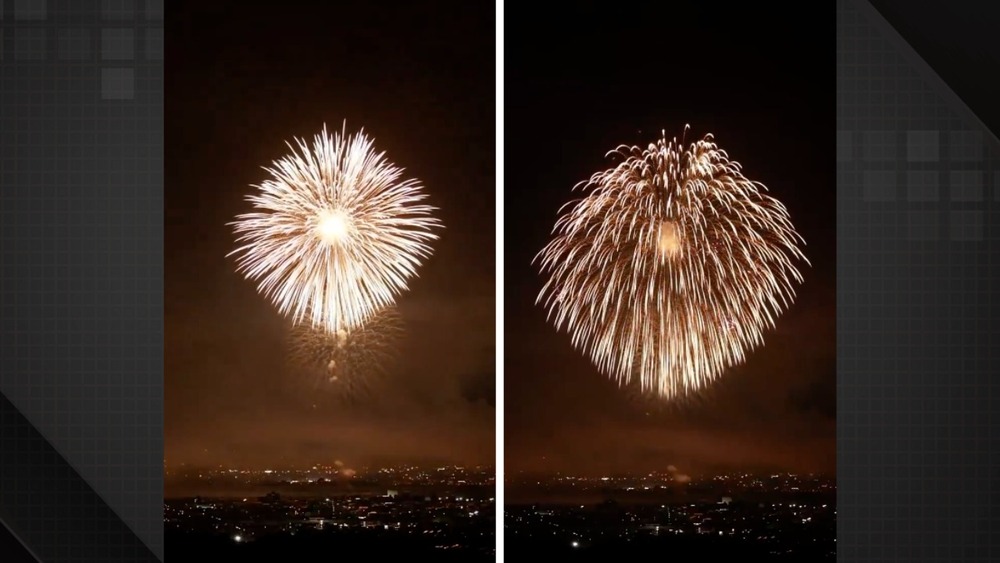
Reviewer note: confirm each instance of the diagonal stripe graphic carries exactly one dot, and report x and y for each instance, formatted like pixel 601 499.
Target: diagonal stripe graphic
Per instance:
pixel 959 45
pixel 50 507
pixel 13 550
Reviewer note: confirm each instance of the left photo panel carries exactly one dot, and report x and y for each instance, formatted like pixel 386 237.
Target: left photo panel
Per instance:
pixel 329 264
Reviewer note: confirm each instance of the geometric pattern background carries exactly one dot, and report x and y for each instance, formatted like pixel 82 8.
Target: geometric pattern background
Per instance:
pixel 81 278
pixel 918 190
pixel 81 282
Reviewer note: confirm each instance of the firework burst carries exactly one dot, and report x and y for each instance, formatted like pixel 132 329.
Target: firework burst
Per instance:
pixel 337 232
pixel 672 266
pixel 346 363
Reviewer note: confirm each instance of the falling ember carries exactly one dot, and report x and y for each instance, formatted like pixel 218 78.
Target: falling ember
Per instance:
pixel 675 319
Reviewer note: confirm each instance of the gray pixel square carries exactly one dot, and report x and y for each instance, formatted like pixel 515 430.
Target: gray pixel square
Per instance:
pixel 1 44
pixel 996 186
pixel 154 9
pixel 966 146
pixel 30 10
pixel 117 83
pixel 74 44
pixel 879 185
pixel 923 225
pixel 844 146
pixel 154 44
pixel 967 225
pixel 922 185
pixel 117 44
pixel 967 185
pixel 1 9
pixel 29 44
pixel 879 145
pixel 117 9
pixel 922 146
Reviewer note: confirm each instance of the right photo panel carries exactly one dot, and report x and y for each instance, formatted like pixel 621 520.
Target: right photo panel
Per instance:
pixel 670 282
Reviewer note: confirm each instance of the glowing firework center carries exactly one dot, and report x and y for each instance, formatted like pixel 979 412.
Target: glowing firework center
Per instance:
pixel 333 227
pixel 669 243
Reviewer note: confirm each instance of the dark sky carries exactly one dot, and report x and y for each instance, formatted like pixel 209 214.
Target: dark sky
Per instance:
pixel 577 84
pixel 241 79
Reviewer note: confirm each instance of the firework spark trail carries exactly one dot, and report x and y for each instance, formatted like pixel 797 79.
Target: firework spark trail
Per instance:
pixel 346 361
pixel 671 267
pixel 337 232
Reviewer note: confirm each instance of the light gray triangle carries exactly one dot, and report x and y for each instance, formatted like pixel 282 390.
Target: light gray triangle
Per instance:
pixel 90 468
pixel 934 80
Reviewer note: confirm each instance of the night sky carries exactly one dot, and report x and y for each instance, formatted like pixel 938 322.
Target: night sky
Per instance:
pixel 577 84
pixel 243 78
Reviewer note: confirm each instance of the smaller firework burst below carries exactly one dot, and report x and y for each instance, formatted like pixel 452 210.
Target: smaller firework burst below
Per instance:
pixel 346 364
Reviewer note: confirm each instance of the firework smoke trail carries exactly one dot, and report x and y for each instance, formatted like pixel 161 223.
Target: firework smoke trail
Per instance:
pixel 671 267
pixel 337 232
pixel 347 362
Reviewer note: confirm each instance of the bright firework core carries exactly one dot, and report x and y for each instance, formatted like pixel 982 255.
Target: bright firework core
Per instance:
pixel 670 239
pixel 333 227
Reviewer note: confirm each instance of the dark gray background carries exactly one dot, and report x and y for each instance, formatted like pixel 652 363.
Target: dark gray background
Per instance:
pixel 918 187
pixel 81 290
pixel 81 278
